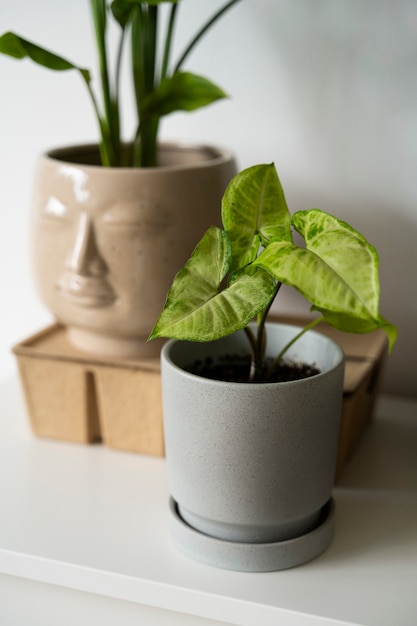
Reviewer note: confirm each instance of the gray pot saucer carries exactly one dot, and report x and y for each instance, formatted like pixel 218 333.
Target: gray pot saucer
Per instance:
pixel 253 557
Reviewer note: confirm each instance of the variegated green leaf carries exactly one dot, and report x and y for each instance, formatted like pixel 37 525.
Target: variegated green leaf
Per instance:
pixel 197 309
pixel 254 211
pixel 337 271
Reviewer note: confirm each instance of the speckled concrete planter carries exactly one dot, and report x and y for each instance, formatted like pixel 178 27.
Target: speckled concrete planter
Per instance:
pixel 251 466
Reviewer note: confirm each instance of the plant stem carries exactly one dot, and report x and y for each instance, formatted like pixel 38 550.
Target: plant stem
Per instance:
pixel 293 340
pixel 138 74
pixel 168 41
pixel 149 46
pixel 123 156
pixel 202 31
pixel 145 144
pixel 258 343
pixel 150 125
pixel 137 54
pixel 252 342
pixel 144 40
pixel 111 139
pixel 104 155
pixel 118 69
pixel 261 337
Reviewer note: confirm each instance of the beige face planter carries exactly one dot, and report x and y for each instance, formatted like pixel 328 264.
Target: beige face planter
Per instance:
pixel 107 242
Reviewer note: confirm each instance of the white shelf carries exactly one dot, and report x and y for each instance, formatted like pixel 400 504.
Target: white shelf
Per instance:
pixel 90 519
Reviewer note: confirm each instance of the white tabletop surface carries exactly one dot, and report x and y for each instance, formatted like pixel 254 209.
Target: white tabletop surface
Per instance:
pixel 95 520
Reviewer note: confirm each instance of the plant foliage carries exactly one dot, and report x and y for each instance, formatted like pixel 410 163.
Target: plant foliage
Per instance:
pixel 235 273
pixel 160 87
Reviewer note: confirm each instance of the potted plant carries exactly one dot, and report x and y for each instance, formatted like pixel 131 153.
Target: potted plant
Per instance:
pixel 251 460
pixel 109 219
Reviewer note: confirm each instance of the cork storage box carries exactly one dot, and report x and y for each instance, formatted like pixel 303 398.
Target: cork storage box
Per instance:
pixel 74 397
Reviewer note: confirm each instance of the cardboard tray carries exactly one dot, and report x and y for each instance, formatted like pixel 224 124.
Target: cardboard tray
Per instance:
pixel 76 397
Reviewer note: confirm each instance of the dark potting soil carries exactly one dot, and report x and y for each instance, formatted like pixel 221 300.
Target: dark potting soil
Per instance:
pixel 235 368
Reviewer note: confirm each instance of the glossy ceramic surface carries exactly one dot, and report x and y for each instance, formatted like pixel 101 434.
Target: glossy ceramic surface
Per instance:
pixel 107 242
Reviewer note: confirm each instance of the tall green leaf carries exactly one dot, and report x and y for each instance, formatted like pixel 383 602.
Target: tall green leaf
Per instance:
pixel 181 92
pixel 111 142
pixel 254 211
pixel 150 61
pixel 19 48
pixel 198 309
pixel 122 9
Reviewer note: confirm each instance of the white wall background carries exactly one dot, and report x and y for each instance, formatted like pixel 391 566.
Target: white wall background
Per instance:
pixel 325 88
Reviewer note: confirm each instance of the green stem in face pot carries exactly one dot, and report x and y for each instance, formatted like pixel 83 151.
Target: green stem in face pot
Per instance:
pixel 159 90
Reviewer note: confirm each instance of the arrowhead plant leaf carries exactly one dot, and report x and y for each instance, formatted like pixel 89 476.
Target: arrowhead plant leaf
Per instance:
pixel 348 254
pixel 234 274
pixel 337 271
pixel 254 211
pixel 197 307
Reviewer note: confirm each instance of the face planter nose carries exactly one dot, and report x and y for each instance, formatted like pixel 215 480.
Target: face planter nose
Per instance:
pixel 84 281
pixel 85 258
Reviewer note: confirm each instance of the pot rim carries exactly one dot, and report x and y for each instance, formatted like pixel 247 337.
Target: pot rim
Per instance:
pixel 73 154
pixel 339 361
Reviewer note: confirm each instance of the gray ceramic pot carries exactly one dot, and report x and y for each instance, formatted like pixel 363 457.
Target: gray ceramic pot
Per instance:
pixel 107 242
pixel 251 464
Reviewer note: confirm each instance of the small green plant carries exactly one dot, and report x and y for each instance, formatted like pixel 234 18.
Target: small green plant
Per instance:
pixel 235 273
pixel 159 87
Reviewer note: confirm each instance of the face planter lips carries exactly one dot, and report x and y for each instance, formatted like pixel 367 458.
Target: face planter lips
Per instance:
pixel 86 291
